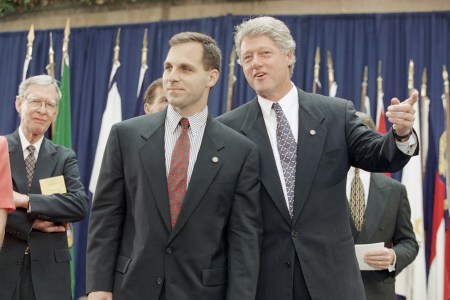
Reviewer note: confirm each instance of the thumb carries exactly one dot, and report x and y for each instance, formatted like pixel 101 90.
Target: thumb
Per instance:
pixel 413 98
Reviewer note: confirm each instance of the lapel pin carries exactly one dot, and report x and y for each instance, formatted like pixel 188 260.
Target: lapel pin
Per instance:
pixel 312 132
pixel 215 159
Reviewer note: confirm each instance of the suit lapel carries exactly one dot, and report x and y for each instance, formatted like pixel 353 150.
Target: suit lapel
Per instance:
pixel 376 204
pixel 18 171
pixel 204 172
pixel 45 164
pixel 155 167
pixel 311 139
pixel 255 129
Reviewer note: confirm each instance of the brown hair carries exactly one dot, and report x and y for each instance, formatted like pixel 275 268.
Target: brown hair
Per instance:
pixel 212 56
pixel 149 96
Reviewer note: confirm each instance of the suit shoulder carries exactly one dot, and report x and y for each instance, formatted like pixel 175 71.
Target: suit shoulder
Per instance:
pixel 236 115
pixel 388 181
pixel 230 136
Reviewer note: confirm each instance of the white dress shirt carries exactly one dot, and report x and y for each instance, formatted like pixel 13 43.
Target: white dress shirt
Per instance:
pixel 289 105
pixel 197 124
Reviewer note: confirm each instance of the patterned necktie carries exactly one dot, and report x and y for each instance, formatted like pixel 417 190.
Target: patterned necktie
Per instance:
pixel 357 202
pixel 177 180
pixel 287 148
pixel 30 162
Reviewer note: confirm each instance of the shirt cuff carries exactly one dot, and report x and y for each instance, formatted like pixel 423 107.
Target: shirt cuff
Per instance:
pixel 391 268
pixel 408 147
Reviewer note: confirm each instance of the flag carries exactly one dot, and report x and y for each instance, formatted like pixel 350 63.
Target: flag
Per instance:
pixel 333 89
pixel 380 118
pixel 436 213
pixel 142 84
pixel 62 135
pixel 411 282
pixel 111 115
pixel 367 105
pixel 317 87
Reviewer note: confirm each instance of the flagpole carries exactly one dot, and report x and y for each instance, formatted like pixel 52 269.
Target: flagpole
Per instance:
pixel 144 65
pixel 316 70
pixel 411 77
pixel 379 81
pixel 51 72
pixel 117 48
pixel 231 78
pixel 51 58
pixel 65 48
pixel 425 101
pixel 331 83
pixel 29 53
pixel 364 90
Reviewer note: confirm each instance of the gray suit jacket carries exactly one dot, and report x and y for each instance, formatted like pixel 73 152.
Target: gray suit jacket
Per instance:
pixel 387 219
pixel 50 256
pixel 213 250
pixel 331 138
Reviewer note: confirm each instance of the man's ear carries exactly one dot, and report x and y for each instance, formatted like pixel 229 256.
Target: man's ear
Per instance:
pixel 213 77
pixel 19 104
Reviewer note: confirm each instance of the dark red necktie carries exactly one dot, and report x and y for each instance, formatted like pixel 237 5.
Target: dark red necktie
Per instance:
pixel 177 180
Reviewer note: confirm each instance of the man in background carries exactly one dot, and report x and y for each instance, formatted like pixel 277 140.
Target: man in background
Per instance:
pixel 306 145
pixel 48 194
pixel 155 98
pixel 380 212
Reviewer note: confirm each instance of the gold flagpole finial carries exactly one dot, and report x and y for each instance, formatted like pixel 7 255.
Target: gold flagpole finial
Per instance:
pixel 316 69
pixel 65 48
pixel 364 89
pixel 411 76
pixel 144 49
pixel 30 39
pixel 117 47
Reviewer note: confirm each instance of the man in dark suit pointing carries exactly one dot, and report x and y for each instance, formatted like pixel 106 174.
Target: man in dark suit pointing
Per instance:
pixel 176 213
pixel 306 144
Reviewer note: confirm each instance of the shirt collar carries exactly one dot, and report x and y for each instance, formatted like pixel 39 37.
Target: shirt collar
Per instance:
pixel 196 121
pixel 287 103
pixel 25 143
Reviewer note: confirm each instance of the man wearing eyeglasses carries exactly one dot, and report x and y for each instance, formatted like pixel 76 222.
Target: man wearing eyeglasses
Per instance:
pixel 48 194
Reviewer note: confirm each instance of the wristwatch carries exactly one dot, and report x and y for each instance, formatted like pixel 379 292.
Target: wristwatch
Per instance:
pixel 400 138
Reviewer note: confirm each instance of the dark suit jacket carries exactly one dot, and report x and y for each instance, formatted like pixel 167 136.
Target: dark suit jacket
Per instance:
pixel 331 138
pixel 213 250
pixel 50 256
pixel 387 219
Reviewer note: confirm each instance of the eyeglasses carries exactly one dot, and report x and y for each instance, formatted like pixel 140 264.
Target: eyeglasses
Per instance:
pixel 49 105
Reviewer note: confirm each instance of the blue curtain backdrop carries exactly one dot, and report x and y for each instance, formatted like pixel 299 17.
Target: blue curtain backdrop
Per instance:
pixel 353 41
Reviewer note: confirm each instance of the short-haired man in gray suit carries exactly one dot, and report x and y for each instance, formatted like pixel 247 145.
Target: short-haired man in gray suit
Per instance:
pixel 176 213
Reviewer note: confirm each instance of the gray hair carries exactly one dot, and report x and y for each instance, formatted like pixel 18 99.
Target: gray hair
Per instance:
pixel 269 26
pixel 39 80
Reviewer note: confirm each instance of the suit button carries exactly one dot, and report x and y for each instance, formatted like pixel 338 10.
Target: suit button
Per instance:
pixel 159 280
pixel 294 233
pixel 19 261
pixel 287 264
pixel 169 251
